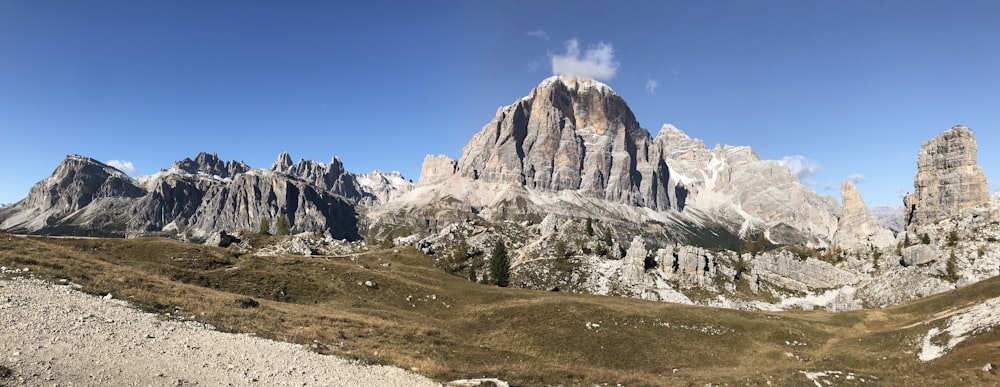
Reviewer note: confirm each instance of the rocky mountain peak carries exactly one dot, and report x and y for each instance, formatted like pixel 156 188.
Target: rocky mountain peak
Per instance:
pixel 77 182
pixel 210 164
pixel 570 134
pixel 283 162
pixel 858 228
pixel 948 178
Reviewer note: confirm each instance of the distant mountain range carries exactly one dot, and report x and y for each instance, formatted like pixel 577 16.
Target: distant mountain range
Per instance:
pixel 564 173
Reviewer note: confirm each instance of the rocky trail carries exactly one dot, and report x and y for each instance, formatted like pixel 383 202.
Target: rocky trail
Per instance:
pixel 54 335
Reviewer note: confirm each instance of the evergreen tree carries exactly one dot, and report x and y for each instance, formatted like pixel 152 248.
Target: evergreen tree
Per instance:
pixel 472 273
pixel 265 226
pixel 561 250
pixel 953 238
pixel 283 228
pixel 590 227
pixel 906 241
pixel 750 246
pixel 951 267
pixel 500 265
pixel 607 238
pixel 461 251
pixel 925 239
pixel 763 244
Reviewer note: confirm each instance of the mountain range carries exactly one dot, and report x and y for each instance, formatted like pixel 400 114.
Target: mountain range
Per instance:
pixel 564 174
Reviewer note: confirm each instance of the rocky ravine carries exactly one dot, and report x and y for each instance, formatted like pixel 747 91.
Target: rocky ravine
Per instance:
pixel 54 335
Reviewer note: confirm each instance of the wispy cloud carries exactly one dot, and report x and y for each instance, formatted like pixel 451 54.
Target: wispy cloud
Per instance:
pixel 539 33
pixel 651 85
pixel 124 166
pixel 532 66
pixel 803 167
pixel 856 178
pixel 597 62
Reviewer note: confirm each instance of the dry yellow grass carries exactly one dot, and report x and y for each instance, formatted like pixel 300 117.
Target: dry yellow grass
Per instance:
pixel 419 317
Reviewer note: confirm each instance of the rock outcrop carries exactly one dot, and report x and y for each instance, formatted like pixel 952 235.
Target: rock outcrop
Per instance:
pixel 571 134
pixel 858 228
pixel 369 190
pixel 54 205
pixel 948 178
pixel 573 148
pixel 209 164
pixel 193 200
pixel 437 169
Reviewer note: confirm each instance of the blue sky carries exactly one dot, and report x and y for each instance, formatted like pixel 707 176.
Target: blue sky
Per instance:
pixel 852 87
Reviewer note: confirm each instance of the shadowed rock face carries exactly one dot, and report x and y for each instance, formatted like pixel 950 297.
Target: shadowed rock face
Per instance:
pixel 948 178
pixel 571 134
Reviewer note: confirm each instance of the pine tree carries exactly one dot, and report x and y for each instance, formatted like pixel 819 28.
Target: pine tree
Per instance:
pixel 590 227
pixel 561 250
pixel 265 226
pixel 953 238
pixel 283 228
pixel 750 247
pixel 925 239
pixel 951 267
pixel 906 241
pixel 500 265
pixel 763 244
pixel 461 251
pixel 472 273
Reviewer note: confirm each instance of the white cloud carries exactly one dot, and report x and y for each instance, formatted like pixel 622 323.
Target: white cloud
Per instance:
pixel 856 178
pixel 539 33
pixel 597 62
pixel 124 166
pixel 532 67
pixel 803 167
pixel 651 85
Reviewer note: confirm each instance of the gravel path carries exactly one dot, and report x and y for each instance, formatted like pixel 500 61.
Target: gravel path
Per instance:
pixel 52 335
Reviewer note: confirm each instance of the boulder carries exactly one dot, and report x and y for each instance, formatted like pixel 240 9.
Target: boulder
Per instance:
pixel 919 254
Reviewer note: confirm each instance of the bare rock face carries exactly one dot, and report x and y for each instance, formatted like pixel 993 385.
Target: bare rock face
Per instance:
pixel 732 182
pixel 920 254
pixel 570 134
pixel 437 169
pixel 573 147
pixel 948 178
pixel 209 164
pixel 192 200
pixel 250 197
pixel 369 190
pixel 858 228
pixel 53 205
pixel 687 264
pixel 791 272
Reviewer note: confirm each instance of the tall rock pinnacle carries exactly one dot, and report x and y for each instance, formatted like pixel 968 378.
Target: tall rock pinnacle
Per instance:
pixel 948 178
pixel 858 228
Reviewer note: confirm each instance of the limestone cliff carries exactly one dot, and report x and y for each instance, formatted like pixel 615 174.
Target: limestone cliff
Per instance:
pixel 948 178
pixel 858 228
pixel 570 134
pixel 369 190
pixel 191 200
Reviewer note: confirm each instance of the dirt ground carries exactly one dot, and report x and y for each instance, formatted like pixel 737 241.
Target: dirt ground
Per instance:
pixel 52 335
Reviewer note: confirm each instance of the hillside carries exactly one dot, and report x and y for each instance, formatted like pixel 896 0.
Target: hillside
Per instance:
pixel 395 307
